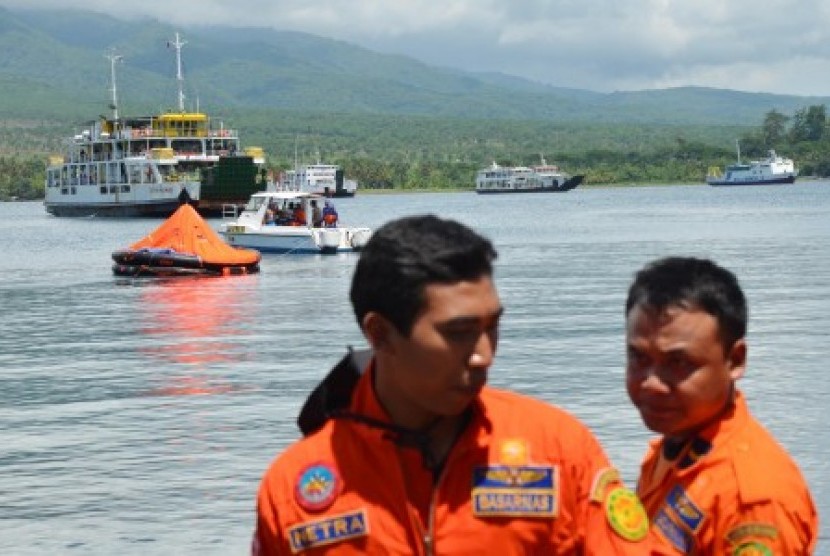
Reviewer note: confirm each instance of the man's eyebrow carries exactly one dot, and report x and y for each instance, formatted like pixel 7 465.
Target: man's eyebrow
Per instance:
pixel 472 319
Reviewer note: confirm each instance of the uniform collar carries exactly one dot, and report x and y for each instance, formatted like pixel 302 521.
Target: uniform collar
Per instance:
pixel 686 453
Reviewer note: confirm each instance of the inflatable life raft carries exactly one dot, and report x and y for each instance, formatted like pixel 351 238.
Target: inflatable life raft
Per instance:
pixel 184 245
pixel 159 261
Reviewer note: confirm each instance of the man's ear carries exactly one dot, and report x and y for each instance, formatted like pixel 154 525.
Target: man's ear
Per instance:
pixel 378 331
pixel 737 359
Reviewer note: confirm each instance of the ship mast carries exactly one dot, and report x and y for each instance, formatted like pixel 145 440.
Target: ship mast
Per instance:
pixel 178 44
pixel 114 58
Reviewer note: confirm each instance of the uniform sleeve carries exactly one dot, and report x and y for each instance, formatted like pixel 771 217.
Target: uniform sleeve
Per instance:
pixel 267 540
pixel 613 521
pixel 767 528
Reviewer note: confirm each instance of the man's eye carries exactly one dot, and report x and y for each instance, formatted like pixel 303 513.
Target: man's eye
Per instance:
pixel 680 366
pixel 462 334
pixel 636 358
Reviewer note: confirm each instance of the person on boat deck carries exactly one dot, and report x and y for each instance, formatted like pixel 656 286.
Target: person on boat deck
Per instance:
pixel 329 215
pixel 407 451
pixel 299 215
pixel 270 217
pixel 715 482
pixel 284 214
pixel 316 214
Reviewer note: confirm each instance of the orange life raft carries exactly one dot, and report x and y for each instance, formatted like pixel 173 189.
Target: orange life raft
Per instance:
pixel 184 245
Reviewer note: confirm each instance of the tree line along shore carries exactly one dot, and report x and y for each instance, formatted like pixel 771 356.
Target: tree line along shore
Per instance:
pixel 405 153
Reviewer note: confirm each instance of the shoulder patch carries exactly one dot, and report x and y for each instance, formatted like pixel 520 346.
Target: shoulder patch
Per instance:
pixel 626 514
pixel 317 486
pixel 603 478
pixel 752 548
pixel 751 530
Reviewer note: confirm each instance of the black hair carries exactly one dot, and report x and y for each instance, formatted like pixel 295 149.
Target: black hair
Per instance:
pixel 692 283
pixel 405 255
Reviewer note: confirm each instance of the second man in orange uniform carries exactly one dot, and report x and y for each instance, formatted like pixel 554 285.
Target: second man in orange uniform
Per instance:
pixel 716 482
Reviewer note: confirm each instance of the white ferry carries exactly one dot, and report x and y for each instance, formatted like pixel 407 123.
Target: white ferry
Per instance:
pixel 318 179
pixel 773 169
pixel 523 179
pixel 147 166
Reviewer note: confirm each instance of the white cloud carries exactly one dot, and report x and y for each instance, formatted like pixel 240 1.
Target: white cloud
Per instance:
pixel 780 46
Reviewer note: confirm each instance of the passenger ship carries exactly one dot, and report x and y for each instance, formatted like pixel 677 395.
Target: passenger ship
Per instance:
pixel 773 169
pixel 147 166
pixel 523 179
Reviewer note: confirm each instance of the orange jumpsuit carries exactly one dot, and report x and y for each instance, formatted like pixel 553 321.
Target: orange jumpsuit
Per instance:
pixel 522 478
pixel 730 490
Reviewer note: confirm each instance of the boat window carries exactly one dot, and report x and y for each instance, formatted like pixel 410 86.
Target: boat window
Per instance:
pixel 125 189
pixel 187 146
pixel 254 203
pixel 103 190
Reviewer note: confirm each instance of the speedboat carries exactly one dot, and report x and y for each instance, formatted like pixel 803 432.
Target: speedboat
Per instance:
pixel 287 222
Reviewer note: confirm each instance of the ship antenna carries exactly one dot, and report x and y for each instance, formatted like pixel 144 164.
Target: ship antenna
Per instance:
pixel 178 44
pixel 738 147
pixel 114 58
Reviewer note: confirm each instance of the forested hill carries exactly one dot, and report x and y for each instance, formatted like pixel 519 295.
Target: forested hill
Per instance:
pixel 52 65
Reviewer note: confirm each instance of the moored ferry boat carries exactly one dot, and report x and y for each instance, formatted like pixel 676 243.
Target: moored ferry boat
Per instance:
pixel 319 179
pixel 149 165
pixel 773 169
pixel 523 179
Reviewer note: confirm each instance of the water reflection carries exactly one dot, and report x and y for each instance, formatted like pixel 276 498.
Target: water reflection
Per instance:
pixel 198 325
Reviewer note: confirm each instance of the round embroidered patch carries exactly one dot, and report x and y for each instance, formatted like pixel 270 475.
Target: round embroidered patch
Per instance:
pixel 752 548
pixel 626 514
pixel 514 452
pixel 317 487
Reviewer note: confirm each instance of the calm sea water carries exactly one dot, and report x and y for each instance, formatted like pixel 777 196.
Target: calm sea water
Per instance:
pixel 137 416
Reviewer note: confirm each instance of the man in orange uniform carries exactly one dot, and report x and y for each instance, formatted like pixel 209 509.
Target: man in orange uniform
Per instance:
pixel 716 482
pixel 408 452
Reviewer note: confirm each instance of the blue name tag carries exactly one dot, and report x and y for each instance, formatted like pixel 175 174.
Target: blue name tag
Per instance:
pixel 673 532
pixel 514 491
pixel 328 530
pixel 685 508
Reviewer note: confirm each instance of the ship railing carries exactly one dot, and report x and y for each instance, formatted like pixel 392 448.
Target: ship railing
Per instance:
pixel 224 132
pixel 181 176
pixel 230 211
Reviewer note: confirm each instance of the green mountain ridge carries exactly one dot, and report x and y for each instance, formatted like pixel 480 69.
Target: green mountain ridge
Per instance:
pixel 53 65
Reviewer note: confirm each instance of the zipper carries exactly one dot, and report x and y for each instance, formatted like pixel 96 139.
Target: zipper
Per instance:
pixel 429 535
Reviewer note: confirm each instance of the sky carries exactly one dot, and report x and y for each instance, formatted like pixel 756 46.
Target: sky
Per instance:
pixel 775 46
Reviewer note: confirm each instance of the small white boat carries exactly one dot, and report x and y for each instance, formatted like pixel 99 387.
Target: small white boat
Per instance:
pixel 268 224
